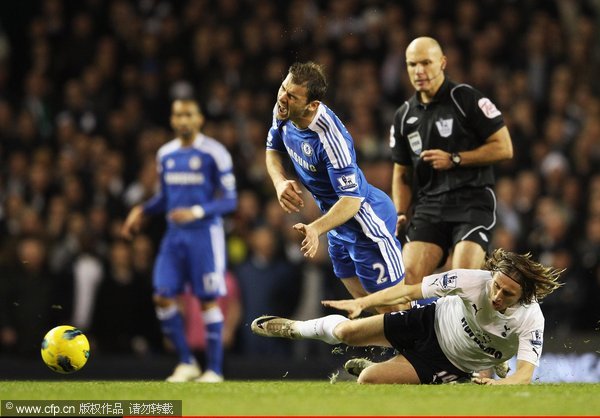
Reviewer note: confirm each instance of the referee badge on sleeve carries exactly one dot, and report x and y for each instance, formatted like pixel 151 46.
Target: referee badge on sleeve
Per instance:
pixel 414 140
pixel 488 108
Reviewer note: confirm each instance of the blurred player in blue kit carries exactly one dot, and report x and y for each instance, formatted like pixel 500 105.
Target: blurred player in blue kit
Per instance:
pixel 359 219
pixel 197 189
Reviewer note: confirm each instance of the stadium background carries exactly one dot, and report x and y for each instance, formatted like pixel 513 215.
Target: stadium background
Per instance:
pixel 85 89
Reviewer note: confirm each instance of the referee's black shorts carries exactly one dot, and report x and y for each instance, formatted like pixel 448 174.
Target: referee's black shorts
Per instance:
pixel 462 215
pixel 412 333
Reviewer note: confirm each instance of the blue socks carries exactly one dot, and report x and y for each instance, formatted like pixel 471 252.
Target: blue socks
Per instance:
pixel 172 326
pixel 171 323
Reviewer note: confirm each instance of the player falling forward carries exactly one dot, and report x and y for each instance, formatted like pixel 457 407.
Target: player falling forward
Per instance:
pixel 483 318
pixel 359 219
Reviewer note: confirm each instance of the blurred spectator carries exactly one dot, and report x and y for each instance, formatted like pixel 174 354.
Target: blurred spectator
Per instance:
pixel 130 328
pixel 268 283
pixel 28 298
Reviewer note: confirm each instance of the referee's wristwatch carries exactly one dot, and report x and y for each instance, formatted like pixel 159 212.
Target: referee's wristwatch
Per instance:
pixel 456 159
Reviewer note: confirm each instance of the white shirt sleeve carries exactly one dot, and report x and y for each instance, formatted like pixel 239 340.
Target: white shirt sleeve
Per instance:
pixel 531 338
pixel 460 282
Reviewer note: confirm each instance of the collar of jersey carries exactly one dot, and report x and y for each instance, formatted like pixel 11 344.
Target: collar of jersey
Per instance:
pixel 443 91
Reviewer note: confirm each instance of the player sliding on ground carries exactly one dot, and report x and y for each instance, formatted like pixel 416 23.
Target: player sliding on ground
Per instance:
pixel 482 319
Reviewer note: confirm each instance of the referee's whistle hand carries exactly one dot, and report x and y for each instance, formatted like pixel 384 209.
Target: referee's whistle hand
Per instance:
pixel 437 158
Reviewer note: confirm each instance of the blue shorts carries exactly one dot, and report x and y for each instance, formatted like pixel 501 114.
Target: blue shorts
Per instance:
pixel 195 256
pixel 377 264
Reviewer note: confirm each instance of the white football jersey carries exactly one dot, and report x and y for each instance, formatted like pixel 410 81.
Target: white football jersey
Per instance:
pixel 470 332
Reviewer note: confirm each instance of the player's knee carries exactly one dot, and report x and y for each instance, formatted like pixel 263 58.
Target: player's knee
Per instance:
pixel 413 275
pixel 346 332
pixel 368 377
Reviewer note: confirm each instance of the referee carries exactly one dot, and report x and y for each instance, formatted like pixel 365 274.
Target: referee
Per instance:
pixel 444 141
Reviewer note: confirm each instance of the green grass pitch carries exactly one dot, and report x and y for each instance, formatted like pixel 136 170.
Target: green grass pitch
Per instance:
pixel 287 397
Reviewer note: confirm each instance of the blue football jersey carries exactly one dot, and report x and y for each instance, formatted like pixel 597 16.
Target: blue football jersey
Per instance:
pixel 198 175
pixel 325 161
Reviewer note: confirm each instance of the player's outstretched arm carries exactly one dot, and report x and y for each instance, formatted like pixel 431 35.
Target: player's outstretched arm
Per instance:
pixel 522 376
pixel 395 295
pixel 344 209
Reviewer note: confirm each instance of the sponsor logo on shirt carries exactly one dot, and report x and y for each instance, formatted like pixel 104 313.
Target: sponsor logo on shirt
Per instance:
pixel 488 108
pixel 347 182
pixel 392 137
pixel 444 127
pixel 414 140
pixel 170 163
pixel 183 178
pixel 412 120
pixel 301 161
pixel 481 340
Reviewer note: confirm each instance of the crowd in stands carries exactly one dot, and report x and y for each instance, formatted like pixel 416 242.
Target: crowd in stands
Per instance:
pixel 85 93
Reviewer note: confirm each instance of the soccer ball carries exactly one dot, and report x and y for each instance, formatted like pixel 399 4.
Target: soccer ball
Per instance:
pixel 65 349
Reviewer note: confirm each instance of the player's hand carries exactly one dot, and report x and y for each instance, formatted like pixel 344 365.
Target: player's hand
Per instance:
pixel 400 222
pixel 289 196
pixel 352 306
pixel 133 222
pixel 182 215
pixel 480 380
pixel 437 158
pixel 310 243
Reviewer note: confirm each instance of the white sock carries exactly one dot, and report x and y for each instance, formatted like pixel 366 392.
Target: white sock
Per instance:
pixel 321 328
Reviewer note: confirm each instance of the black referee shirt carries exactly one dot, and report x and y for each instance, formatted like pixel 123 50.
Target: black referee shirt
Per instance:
pixel 459 118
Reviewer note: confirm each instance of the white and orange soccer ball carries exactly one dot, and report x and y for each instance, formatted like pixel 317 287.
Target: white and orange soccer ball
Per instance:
pixel 65 349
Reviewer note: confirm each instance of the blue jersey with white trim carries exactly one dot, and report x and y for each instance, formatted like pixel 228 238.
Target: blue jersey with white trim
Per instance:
pixel 325 161
pixel 201 174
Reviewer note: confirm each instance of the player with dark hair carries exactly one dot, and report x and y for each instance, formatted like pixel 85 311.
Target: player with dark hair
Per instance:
pixel 481 319
pixel 197 189
pixel 359 219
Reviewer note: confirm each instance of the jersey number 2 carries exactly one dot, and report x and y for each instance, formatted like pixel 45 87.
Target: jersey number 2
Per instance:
pixel 381 268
